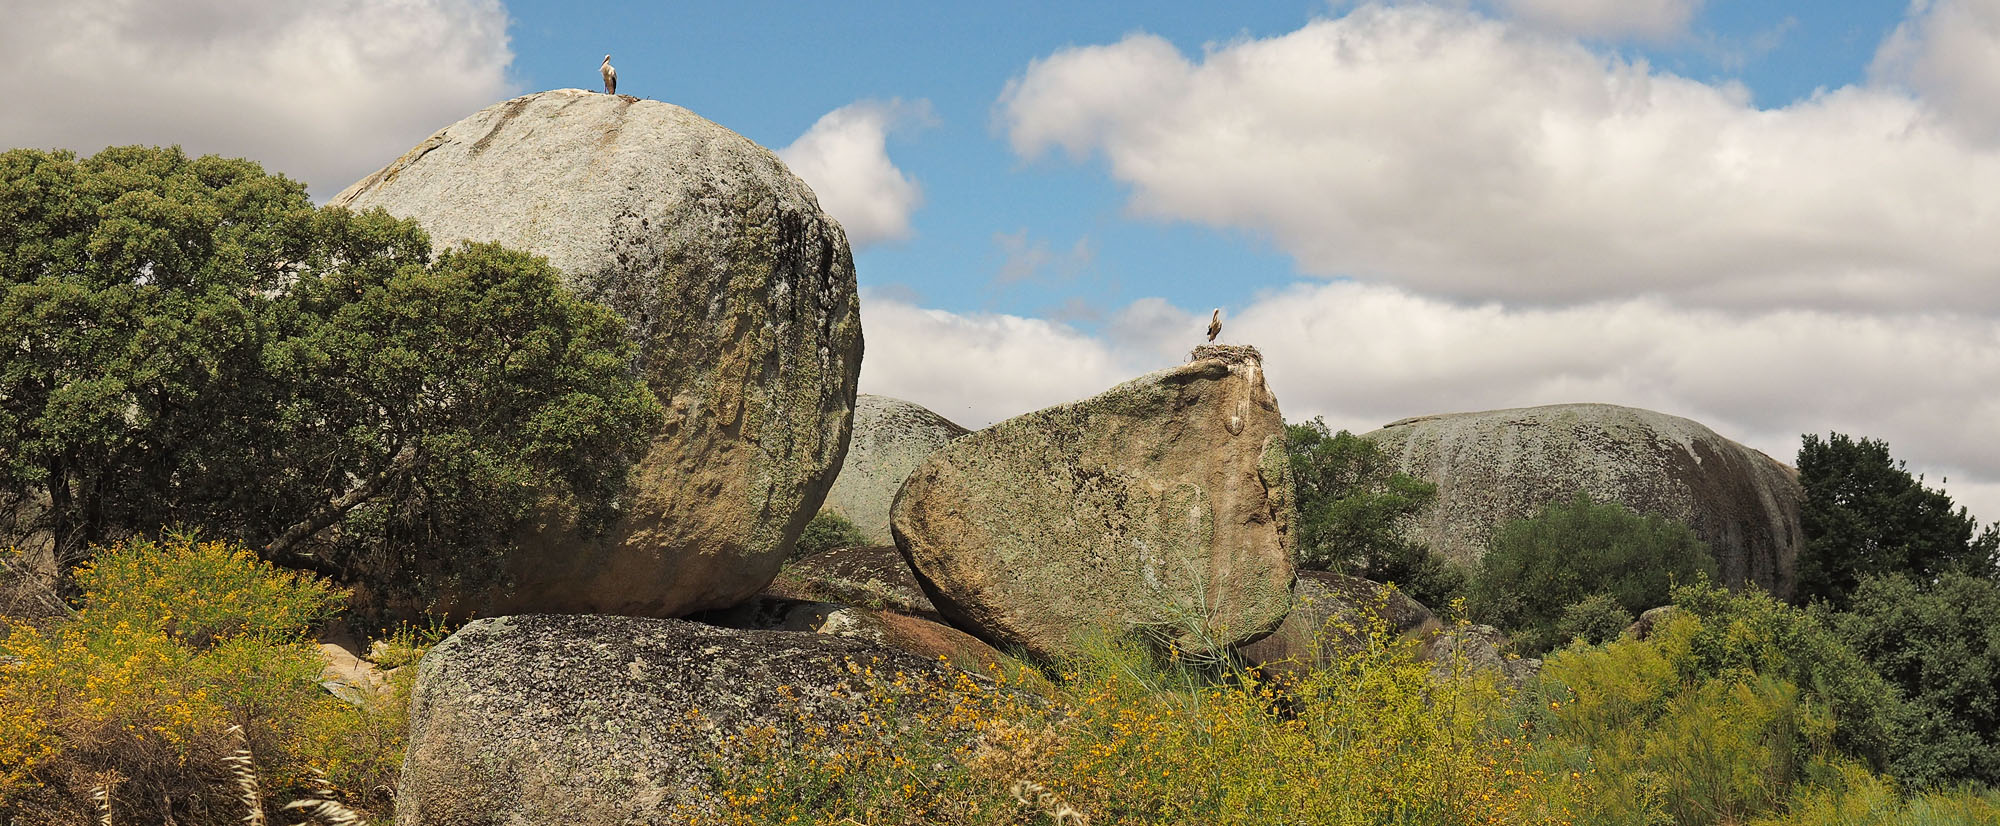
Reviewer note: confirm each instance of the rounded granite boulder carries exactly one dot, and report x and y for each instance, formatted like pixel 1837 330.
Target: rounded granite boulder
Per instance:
pixel 891 437
pixel 740 291
pixel 1497 466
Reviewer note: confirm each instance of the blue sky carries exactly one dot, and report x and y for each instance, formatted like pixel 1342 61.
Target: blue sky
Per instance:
pixel 1771 217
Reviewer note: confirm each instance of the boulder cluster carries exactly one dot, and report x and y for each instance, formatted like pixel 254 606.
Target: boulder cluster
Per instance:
pixel 597 685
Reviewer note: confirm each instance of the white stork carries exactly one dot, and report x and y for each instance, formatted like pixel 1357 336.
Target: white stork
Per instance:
pixel 610 76
pixel 1215 324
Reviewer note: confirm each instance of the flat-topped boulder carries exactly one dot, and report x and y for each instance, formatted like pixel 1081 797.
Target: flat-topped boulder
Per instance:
pixel 1161 507
pixel 1497 466
pixel 569 720
pixel 891 437
pixel 740 291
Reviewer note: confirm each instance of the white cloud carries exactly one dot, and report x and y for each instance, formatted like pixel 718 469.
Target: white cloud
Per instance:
pixel 1928 383
pixel 980 368
pixel 322 91
pixel 1468 157
pixel 1651 19
pixel 1023 258
pixel 844 157
pixel 1363 356
pixel 1949 52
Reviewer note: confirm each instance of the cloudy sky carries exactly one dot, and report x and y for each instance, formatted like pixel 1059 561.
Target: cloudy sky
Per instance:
pixel 1774 218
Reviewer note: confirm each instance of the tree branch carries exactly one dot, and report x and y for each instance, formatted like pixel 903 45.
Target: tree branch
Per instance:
pixel 280 551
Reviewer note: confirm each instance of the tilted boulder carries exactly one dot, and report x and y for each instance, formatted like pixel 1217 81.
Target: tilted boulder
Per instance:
pixel 740 291
pixel 891 437
pixel 870 576
pixel 1334 615
pixel 1494 467
pixel 1162 506
pixel 587 720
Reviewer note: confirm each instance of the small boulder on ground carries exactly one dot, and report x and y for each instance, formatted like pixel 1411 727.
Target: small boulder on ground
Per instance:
pixel 1334 615
pixel 584 720
pixel 1652 620
pixel 874 576
pixel 891 437
pixel 1467 649
pixel 1162 507
pixel 1498 466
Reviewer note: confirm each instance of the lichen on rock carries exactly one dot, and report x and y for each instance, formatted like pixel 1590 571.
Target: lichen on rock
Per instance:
pixel 1151 509
pixel 741 293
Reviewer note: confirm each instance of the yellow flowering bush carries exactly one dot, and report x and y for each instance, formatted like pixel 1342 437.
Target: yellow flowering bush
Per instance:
pixel 170 644
pixel 1125 738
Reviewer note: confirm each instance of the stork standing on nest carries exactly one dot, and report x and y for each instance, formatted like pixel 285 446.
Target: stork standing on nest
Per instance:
pixel 610 76
pixel 1215 324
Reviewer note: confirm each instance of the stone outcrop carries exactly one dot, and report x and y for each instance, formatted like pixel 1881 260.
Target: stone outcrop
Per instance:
pixel 1332 615
pixel 1162 506
pixel 740 291
pixel 1501 465
pixel 587 720
pixel 874 576
pixel 915 635
pixel 1468 649
pixel 891 437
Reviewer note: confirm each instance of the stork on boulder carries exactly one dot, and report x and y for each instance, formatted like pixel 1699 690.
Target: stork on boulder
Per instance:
pixel 610 76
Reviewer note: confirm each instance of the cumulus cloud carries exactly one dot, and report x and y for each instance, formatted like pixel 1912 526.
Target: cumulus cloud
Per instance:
pixel 844 157
pixel 977 369
pixel 1650 19
pixel 325 92
pixel 1949 52
pixel 1475 158
pixel 1365 355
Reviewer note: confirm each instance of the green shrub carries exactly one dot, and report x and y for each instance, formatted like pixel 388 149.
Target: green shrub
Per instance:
pixel 172 643
pixel 1594 619
pixel 1941 646
pixel 1354 515
pixel 1857 798
pixel 1536 568
pixel 827 531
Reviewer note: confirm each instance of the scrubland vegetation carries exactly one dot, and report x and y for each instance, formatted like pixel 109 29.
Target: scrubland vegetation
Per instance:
pixel 200 346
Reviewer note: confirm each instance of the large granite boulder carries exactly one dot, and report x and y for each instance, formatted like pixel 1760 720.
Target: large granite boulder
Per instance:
pixel 1334 615
pixel 740 291
pixel 891 437
pixel 586 720
pixel 870 576
pixel 1501 465
pixel 1161 507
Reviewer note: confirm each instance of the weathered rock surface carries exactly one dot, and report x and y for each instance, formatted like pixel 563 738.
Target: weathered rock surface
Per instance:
pixel 871 576
pixel 1467 649
pixel 1334 614
pixel 1163 505
pixel 891 437
pixel 915 635
pixel 1501 465
pixel 587 720
pixel 741 292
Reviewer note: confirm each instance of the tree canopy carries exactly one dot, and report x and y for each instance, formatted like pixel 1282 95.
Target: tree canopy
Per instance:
pixel 1864 514
pixel 189 341
pixel 1355 511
